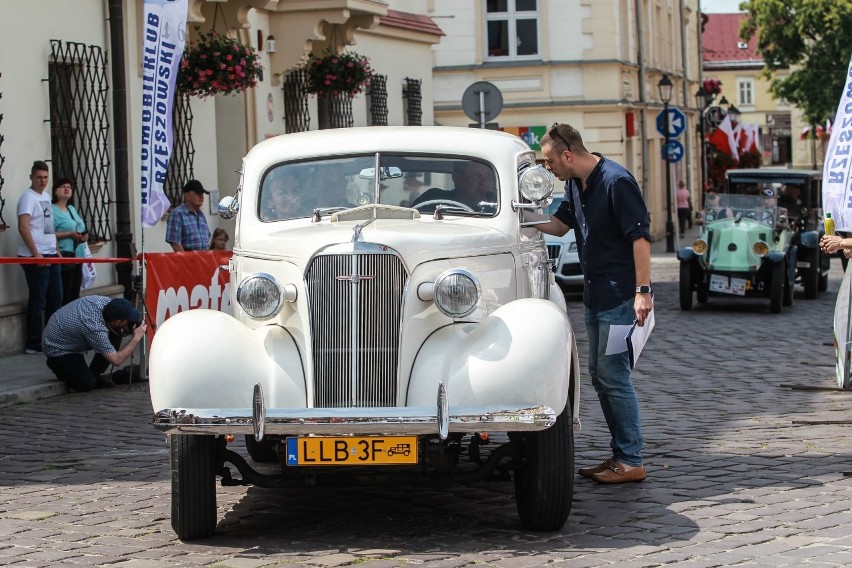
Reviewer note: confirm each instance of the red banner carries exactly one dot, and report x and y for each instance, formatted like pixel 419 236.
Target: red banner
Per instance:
pixel 179 281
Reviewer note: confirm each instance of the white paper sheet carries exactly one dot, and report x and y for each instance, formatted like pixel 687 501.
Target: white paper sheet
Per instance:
pixel 617 340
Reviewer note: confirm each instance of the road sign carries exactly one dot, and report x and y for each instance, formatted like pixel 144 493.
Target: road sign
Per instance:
pixel 677 123
pixel 675 151
pixel 482 101
pixel 715 115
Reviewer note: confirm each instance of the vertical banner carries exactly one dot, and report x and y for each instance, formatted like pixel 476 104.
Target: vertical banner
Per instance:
pixel 164 26
pixel 836 171
pixel 180 281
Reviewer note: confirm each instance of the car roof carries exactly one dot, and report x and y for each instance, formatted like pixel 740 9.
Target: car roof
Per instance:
pixel 437 140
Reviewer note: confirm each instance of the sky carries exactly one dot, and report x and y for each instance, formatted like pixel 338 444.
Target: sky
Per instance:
pixel 720 6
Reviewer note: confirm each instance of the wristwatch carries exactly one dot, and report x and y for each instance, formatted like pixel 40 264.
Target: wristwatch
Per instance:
pixel 645 289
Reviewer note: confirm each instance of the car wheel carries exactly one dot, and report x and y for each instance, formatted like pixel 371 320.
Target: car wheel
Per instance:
pixel 825 264
pixel 544 475
pixel 776 293
pixel 788 289
pixel 685 286
pixel 261 452
pixel 810 279
pixel 194 460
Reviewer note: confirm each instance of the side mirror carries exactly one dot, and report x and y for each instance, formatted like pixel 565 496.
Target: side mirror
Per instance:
pixel 228 207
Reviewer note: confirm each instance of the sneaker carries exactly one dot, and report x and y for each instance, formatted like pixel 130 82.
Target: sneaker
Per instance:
pixel 30 351
pixel 104 382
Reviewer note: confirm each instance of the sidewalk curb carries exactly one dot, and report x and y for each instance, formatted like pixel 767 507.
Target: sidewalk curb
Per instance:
pixel 31 393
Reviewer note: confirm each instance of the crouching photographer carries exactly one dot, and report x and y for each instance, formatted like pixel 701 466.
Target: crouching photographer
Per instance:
pixel 92 322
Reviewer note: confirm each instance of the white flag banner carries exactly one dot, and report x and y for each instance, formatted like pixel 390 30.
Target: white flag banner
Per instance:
pixel 164 32
pixel 837 169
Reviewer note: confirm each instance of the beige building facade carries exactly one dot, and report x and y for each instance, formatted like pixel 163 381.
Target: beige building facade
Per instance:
pixel 595 65
pixel 46 35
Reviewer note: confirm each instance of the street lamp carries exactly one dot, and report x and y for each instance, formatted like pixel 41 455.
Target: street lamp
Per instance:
pixel 704 99
pixel 734 113
pixel 665 86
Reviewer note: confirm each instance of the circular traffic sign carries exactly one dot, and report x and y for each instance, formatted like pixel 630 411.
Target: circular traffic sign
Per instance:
pixel 482 101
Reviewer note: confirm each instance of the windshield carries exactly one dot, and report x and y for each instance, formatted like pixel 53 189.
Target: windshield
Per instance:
pixel 294 190
pixel 763 209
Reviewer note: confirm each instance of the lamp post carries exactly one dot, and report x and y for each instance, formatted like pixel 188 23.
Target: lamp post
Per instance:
pixel 704 99
pixel 665 86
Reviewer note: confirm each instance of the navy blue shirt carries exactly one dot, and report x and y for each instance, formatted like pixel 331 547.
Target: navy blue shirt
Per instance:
pixel 607 217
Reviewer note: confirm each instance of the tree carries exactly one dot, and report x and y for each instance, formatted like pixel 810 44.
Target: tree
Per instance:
pixel 811 39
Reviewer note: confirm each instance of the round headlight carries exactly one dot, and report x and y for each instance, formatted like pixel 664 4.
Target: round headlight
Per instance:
pixel 457 293
pixel 760 248
pixel 536 183
pixel 699 246
pixel 259 295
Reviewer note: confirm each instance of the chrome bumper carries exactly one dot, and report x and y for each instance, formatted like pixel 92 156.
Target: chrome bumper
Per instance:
pixel 260 421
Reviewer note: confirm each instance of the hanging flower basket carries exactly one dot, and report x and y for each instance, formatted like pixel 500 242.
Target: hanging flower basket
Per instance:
pixel 217 65
pixel 335 74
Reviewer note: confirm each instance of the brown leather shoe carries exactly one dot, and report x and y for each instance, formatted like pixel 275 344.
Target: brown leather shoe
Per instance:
pixel 616 474
pixel 590 471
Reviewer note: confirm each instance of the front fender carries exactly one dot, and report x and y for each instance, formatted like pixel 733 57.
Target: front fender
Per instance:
pixel 685 254
pixel 809 239
pixel 520 354
pixel 202 358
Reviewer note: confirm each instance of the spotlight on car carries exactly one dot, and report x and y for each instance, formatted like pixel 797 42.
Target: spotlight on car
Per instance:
pixel 536 183
pixel 699 246
pixel 259 295
pixel 457 293
pixel 760 248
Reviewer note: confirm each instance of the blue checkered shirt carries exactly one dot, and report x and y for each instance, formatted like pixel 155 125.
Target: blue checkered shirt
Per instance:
pixel 188 228
pixel 77 327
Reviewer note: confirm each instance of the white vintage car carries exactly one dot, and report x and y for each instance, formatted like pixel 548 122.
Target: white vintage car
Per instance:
pixel 390 327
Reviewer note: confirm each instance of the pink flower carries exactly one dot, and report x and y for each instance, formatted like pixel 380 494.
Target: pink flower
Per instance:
pixel 229 57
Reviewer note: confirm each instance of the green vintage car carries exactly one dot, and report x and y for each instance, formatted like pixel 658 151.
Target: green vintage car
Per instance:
pixel 743 250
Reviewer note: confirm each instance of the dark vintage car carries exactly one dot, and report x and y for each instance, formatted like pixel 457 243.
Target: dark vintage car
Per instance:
pixel 759 238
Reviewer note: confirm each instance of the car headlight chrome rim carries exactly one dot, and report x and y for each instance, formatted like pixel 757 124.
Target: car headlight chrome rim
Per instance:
pixel 536 183
pixel 259 295
pixel 699 246
pixel 760 248
pixel 457 293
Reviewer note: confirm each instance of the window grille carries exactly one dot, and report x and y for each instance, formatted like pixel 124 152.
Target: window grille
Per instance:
pixel 79 129
pixel 340 111
pixel 181 163
pixel 297 117
pixel 378 94
pixel 2 161
pixel 413 99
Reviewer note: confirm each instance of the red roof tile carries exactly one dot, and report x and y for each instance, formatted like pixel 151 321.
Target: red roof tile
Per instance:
pixel 415 22
pixel 720 42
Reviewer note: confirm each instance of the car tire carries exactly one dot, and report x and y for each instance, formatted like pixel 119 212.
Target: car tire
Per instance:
pixel 544 475
pixel 825 262
pixel 685 286
pixel 194 459
pixel 776 292
pixel 788 289
pixel 261 452
pixel 810 279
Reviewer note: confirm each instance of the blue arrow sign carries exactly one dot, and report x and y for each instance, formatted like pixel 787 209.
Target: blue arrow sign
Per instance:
pixel 674 150
pixel 677 123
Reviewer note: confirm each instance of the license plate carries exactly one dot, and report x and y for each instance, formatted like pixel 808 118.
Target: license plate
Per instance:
pixel 352 450
pixel 728 285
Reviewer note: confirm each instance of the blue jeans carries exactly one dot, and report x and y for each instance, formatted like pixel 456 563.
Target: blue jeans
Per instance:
pixel 611 379
pixel 45 297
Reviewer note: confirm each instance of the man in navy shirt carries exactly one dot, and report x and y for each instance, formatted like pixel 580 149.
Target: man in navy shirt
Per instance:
pixel 604 205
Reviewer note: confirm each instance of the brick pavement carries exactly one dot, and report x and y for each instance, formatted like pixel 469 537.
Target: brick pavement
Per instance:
pixel 732 480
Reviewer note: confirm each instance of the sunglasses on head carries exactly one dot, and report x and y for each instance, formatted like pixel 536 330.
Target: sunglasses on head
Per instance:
pixel 554 133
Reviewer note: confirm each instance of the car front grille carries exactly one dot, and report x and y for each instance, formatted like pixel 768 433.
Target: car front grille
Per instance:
pixel 355 305
pixel 553 251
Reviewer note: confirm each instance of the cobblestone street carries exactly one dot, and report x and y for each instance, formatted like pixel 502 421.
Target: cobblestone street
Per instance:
pixel 740 471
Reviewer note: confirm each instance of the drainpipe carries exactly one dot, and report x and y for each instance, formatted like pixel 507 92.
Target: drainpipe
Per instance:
pixel 124 229
pixel 643 121
pixel 687 96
